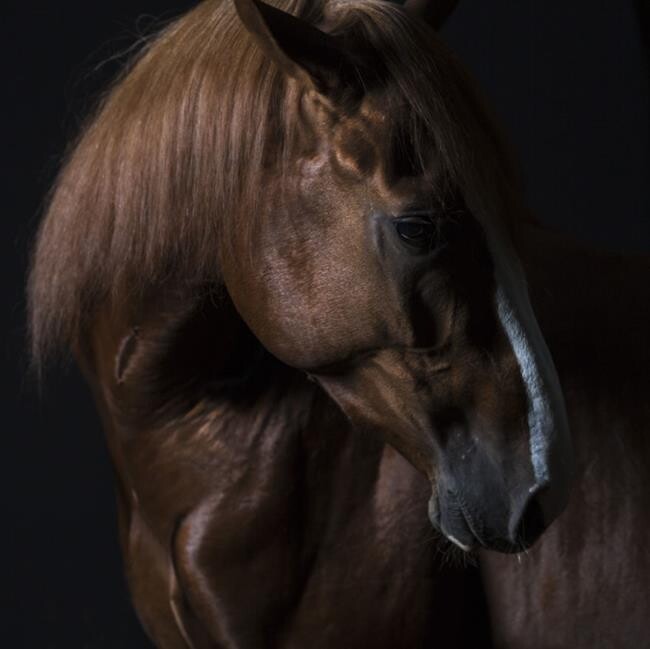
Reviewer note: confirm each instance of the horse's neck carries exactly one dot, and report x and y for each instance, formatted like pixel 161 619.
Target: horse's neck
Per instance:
pixel 186 390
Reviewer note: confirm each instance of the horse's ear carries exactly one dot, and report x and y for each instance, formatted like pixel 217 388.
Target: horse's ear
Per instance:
pixel 435 12
pixel 300 49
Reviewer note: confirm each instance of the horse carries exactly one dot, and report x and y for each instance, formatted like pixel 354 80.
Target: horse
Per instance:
pixel 290 256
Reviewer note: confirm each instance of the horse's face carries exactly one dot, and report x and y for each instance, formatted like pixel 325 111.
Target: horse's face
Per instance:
pixel 411 312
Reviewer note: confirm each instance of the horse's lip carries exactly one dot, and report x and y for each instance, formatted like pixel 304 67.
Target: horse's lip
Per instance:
pixel 462 533
pixel 470 523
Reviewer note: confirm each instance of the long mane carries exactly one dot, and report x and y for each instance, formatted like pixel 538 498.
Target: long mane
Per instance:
pixel 176 155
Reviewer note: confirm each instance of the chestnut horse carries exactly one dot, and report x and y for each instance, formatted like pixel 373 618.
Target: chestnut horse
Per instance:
pixel 286 255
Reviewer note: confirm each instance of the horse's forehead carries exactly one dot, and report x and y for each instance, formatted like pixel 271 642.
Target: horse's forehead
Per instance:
pixel 366 146
pixel 355 140
pixel 354 149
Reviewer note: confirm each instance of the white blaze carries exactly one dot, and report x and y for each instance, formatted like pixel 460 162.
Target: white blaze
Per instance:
pixel 540 414
pixel 550 446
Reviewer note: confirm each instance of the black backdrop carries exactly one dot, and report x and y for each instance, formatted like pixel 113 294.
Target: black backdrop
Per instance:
pixel 570 82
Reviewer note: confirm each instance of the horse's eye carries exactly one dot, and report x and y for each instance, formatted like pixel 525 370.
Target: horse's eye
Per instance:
pixel 416 231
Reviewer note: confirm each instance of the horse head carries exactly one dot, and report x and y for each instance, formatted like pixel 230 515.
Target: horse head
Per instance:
pixel 383 266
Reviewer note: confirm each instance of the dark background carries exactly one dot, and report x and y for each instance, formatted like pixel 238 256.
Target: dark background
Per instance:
pixel 570 82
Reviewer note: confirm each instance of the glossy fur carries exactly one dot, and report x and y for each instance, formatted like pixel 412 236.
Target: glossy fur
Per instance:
pixel 295 381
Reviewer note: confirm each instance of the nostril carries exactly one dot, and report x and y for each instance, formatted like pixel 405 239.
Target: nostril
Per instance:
pixel 531 524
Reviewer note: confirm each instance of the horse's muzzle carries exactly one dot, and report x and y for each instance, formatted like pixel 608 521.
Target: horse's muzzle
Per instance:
pixel 507 532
